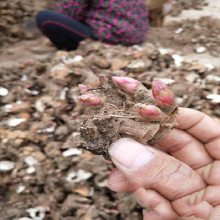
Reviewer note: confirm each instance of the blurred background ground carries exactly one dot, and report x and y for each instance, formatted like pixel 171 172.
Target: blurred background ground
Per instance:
pixel 41 175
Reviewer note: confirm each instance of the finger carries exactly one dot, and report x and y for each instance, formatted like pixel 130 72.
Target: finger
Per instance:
pixel 213 148
pixel 161 207
pixel 152 215
pixel 196 123
pixel 119 183
pixel 209 194
pixel 210 173
pixel 215 215
pixel 202 127
pixel 150 168
pixel 201 210
pixel 185 148
pixel 146 198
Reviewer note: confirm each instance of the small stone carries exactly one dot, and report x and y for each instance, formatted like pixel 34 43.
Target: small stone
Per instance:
pixel 17 107
pixel 24 77
pixel 215 98
pixel 7 108
pixel 179 31
pixel 39 105
pixel 213 79
pixel 80 175
pixel 164 51
pixel 20 189
pixel 72 152
pixel 74 60
pixel 38 213
pixel 6 166
pixel 168 81
pixel 3 91
pixel 32 92
pixel 119 63
pixel 30 161
pixel 63 93
pixel 200 49
pixel 13 122
pixel 209 66
pixel 179 100
pixel 139 65
pixel 46 130
pixel 192 77
pixel 178 60
pixel 31 170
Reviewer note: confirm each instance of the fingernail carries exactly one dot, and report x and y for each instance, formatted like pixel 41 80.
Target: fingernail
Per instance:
pixel 130 154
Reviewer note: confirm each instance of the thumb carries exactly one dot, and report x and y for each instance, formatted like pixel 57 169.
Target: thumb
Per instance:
pixel 150 168
pixel 132 159
pixel 129 154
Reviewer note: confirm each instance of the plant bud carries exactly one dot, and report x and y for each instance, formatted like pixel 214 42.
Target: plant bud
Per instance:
pixel 90 99
pixel 84 88
pixel 127 84
pixel 162 93
pixel 149 112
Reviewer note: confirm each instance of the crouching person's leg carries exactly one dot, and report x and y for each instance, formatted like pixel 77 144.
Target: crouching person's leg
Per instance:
pixel 64 32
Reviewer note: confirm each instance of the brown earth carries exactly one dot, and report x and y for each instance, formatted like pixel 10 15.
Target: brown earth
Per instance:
pixel 38 128
pixel 204 32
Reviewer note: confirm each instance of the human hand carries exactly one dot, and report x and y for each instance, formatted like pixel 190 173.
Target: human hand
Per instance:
pixel 185 182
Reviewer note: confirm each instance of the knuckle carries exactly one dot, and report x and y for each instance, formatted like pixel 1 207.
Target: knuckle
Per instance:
pixel 209 194
pixel 211 173
pixel 212 195
pixel 197 197
pixel 169 182
pixel 171 177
